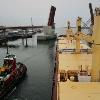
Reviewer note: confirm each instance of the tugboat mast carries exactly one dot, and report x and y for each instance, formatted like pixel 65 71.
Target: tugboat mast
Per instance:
pixel 7 47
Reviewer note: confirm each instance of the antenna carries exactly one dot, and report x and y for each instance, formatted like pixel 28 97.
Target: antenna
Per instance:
pixel 32 23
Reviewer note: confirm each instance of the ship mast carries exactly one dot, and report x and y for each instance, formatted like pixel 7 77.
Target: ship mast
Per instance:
pixel 91 13
pixel 96 47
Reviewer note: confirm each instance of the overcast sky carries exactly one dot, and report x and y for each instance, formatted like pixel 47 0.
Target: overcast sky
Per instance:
pixel 19 12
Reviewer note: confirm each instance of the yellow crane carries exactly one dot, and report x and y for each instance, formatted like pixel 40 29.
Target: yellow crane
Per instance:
pixel 94 39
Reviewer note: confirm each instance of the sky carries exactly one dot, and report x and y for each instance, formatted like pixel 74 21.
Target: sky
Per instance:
pixel 20 12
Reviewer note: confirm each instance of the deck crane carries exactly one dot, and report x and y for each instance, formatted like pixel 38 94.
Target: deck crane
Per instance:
pixel 95 40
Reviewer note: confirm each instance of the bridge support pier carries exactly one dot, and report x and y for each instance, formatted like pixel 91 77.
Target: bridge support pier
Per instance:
pixel 26 37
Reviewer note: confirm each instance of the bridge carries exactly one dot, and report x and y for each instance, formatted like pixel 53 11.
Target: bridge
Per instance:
pixel 20 27
pixel 4 39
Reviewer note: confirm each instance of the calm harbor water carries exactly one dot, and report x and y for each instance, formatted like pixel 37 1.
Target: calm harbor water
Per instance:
pixel 37 85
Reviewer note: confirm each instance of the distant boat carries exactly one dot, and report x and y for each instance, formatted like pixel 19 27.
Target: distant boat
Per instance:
pixel 12 35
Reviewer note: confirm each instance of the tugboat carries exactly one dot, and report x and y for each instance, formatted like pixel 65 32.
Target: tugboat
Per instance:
pixel 10 74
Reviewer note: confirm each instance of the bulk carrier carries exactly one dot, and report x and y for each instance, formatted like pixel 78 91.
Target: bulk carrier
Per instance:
pixel 77 66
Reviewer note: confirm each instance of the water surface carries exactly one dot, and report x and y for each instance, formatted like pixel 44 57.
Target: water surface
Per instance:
pixel 37 85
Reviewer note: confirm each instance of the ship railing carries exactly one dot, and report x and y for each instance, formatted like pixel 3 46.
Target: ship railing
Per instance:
pixel 66 50
pixel 88 51
pixel 54 84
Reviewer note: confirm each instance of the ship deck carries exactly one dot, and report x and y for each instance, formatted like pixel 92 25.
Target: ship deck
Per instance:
pixel 79 91
pixel 69 60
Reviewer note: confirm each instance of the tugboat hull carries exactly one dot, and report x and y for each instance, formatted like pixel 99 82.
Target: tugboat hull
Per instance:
pixel 8 84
